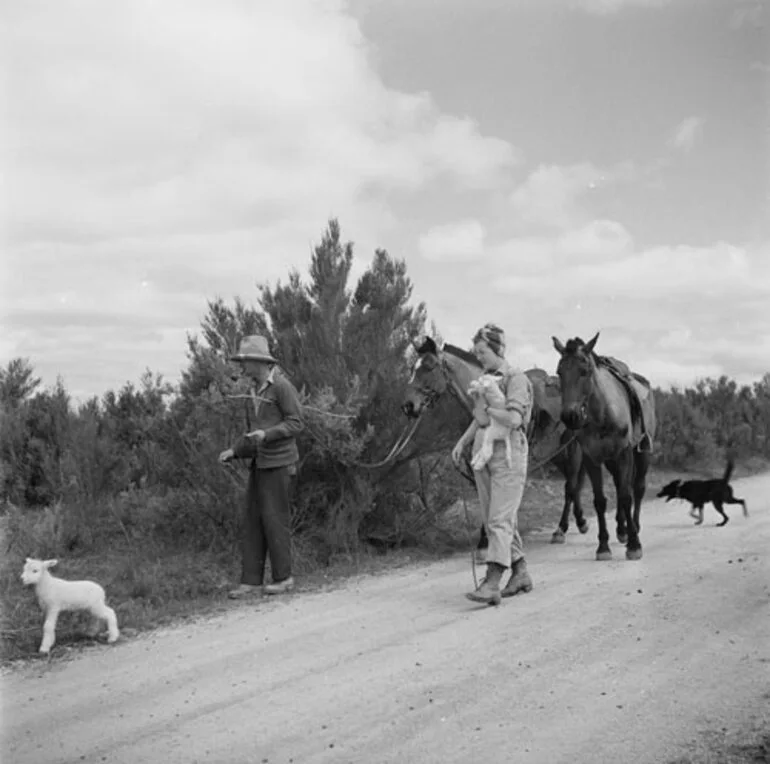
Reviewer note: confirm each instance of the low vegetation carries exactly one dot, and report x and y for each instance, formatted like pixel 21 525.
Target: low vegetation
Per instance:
pixel 126 489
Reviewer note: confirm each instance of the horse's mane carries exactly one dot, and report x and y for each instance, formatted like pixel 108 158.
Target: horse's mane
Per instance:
pixel 608 362
pixel 463 355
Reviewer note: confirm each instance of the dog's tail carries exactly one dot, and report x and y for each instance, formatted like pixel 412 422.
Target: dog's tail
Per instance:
pixel 728 471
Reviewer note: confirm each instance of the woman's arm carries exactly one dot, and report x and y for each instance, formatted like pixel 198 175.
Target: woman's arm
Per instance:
pixel 470 433
pixel 506 417
pixel 518 399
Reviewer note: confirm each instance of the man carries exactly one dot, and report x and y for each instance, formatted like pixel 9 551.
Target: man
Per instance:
pixel 272 448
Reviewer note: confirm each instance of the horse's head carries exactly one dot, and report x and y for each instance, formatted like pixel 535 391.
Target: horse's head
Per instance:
pixel 576 374
pixel 428 380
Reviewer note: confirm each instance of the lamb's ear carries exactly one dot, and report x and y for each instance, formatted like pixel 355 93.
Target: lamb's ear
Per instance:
pixel 50 563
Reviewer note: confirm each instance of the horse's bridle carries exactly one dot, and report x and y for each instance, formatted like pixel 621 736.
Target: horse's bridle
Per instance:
pixel 431 396
pixel 583 404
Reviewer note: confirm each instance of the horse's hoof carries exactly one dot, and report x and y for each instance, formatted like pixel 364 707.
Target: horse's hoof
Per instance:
pixel 604 556
pixel 634 554
pixel 558 537
pixel 583 527
pixel 622 538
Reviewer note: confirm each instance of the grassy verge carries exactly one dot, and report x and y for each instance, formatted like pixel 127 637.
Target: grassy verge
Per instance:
pixel 151 587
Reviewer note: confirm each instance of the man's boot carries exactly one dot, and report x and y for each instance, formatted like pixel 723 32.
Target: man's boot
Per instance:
pixel 489 590
pixel 519 580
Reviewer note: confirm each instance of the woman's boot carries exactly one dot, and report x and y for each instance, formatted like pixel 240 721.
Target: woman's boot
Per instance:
pixel 519 580
pixel 489 591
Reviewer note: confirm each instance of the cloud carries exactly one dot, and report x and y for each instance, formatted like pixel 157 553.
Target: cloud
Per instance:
pixel 161 154
pixel 749 14
pixel 674 313
pixel 556 196
pixel 609 7
pixel 692 308
pixel 462 241
pixel 687 132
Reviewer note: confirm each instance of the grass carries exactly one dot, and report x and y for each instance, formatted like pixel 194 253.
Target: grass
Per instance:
pixel 151 587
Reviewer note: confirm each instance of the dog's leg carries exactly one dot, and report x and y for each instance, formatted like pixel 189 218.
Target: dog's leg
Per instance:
pixel 718 507
pixel 49 630
pixel 734 500
pixel 699 509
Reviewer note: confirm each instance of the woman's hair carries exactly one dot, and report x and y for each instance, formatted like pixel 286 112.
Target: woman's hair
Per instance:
pixel 494 336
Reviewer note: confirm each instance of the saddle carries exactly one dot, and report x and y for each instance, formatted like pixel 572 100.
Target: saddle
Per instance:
pixel 625 376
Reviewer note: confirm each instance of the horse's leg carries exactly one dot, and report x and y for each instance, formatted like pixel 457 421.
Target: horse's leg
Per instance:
pixel 600 505
pixel 626 471
pixel 641 467
pixel 580 477
pixel 558 535
pixel 620 519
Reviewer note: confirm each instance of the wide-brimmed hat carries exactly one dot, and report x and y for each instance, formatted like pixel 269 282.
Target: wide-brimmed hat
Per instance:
pixel 254 348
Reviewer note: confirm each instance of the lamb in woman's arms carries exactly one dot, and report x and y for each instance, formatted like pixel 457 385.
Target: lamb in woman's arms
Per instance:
pixel 486 391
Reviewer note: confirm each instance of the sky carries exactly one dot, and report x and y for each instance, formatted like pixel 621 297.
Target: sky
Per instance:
pixel 559 167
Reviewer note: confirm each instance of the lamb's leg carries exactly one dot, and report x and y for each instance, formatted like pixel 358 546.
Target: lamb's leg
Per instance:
pixel 483 455
pixel 49 630
pixel 480 459
pixel 107 614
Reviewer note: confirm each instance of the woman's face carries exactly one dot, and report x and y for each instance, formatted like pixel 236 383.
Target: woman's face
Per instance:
pixel 487 357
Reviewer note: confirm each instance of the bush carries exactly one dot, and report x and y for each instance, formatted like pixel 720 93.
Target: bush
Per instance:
pixel 135 474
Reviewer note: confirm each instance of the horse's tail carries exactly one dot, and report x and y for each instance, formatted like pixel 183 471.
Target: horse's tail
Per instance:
pixel 728 471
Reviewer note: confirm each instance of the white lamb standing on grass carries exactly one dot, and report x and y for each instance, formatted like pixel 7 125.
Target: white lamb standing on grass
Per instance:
pixel 486 390
pixel 55 595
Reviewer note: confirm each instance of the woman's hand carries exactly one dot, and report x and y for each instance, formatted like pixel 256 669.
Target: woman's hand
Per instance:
pixel 457 451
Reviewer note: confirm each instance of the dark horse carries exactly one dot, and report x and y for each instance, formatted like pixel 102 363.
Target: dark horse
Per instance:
pixel 613 413
pixel 453 369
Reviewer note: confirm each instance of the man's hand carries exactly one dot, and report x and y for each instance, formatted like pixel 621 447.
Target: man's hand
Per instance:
pixel 226 456
pixel 258 435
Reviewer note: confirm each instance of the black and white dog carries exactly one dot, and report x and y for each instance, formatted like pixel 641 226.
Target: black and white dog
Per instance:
pixel 700 492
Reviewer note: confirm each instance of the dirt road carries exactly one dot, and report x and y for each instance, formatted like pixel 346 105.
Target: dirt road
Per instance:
pixel 621 662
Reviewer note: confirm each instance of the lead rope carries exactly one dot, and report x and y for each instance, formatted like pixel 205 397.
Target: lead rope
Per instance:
pixel 470 540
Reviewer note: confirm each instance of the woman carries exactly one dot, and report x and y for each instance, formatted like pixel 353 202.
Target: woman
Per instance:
pixel 500 486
